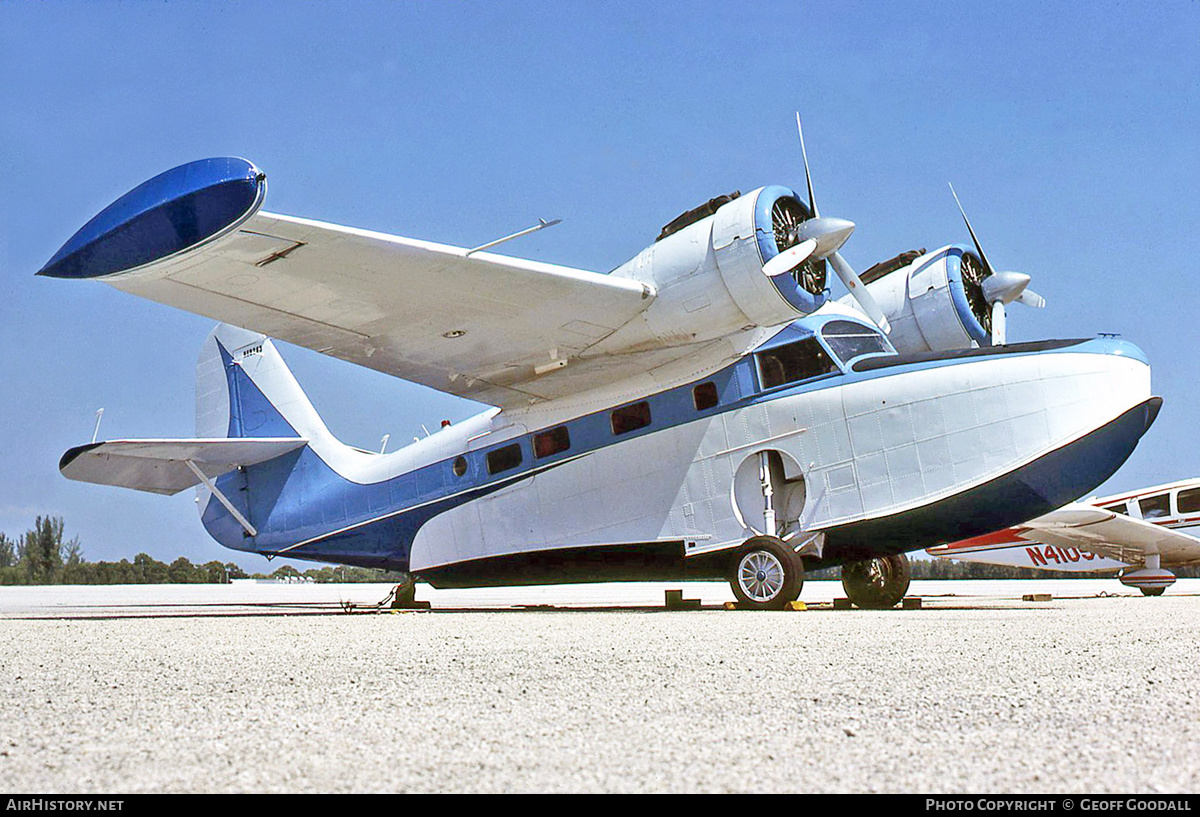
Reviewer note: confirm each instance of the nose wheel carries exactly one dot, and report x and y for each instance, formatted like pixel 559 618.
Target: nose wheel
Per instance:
pixel 877 584
pixel 766 574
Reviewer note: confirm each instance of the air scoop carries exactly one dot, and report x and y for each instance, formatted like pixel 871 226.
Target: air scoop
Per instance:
pixel 173 212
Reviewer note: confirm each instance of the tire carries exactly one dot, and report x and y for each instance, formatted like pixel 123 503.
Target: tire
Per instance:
pixel 877 584
pixel 766 574
pixel 1152 591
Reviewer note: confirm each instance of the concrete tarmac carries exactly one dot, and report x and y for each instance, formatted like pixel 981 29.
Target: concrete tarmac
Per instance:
pixel 260 688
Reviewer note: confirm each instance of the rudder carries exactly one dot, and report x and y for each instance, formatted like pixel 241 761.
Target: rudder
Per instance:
pixel 244 389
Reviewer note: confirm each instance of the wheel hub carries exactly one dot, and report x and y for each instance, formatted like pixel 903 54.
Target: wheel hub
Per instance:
pixel 761 575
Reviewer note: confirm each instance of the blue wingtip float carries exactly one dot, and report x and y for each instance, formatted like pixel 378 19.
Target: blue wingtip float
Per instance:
pixel 175 211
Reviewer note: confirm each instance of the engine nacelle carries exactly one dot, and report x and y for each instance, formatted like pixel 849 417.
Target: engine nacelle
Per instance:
pixel 707 275
pixel 934 303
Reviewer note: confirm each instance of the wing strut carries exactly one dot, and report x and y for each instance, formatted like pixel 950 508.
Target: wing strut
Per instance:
pixel 243 521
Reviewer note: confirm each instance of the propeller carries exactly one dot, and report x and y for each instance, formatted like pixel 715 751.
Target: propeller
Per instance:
pixel 998 288
pixel 789 259
pixel 830 234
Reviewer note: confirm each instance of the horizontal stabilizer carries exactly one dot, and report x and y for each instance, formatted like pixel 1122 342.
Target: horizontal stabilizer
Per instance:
pixel 169 466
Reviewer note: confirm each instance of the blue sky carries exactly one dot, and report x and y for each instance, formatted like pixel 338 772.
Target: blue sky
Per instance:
pixel 1069 130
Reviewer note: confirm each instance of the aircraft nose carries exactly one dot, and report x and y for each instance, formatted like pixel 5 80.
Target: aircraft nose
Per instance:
pixel 1153 406
pixel 1128 374
pixel 1129 370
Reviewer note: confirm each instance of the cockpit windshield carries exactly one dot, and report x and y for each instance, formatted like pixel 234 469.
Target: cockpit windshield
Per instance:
pixel 849 340
pixel 793 362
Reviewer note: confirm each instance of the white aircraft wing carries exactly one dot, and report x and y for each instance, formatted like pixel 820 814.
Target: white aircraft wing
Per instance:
pixel 1111 534
pixel 472 324
pixel 1078 537
pixel 161 466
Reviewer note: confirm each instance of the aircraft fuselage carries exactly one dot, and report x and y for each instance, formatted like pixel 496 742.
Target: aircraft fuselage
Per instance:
pixel 874 455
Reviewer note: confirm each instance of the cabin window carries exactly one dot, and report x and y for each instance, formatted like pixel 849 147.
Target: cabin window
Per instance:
pixel 1189 500
pixel 631 418
pixel 848 340
pixel 504 459
pixel 1120 508
pixel 1156 507
pixel 460 466
pixel 550 442
pixel 793 362
pixel 705 396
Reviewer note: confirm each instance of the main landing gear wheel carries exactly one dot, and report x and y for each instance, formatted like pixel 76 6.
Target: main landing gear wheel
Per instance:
pixel 1152 591
pixel 766 574
pixel 877 584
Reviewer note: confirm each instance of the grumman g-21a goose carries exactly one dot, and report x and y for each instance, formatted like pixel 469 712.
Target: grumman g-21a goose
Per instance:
pixel 702 411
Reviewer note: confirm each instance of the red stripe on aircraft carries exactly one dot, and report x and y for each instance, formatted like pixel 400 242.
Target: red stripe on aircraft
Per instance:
pixel 1008 536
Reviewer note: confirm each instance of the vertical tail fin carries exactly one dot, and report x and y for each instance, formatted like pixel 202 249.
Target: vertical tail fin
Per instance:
pixel 244 389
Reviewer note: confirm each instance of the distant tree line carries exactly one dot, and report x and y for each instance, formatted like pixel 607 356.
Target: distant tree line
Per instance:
pixel 44 556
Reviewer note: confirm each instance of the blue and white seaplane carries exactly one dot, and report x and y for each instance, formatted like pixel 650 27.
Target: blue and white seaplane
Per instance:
pixel 704 410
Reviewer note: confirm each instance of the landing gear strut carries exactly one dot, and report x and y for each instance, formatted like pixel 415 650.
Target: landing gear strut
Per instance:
pixel 766 574
pixel 877 584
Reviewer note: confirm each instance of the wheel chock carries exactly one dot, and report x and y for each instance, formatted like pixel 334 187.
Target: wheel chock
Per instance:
pixel 410 605
pixel 791 605
pixel 675 601
pixel 1037 597
pixel 910 603
pixel 842 604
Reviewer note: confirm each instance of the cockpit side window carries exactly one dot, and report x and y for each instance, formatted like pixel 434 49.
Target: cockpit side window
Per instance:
pixel 1156 507
pixel 849 340
pixel 793 362
pixel 1118 508
pixel 1188 500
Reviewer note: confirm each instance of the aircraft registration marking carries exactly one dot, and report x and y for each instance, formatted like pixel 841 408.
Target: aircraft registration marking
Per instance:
pixel 1046 553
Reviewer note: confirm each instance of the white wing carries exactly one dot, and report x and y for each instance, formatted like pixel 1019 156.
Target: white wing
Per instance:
pixel 1112 534
pixel 481 326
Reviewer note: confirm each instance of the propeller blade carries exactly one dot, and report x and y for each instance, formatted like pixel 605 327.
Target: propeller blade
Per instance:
pixel 860 292
pixel 812 200
pixel 830 234
pixel 987 268
pixel 1000 288
pixel 789 259
pixel 999 327
pixel 1031 298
